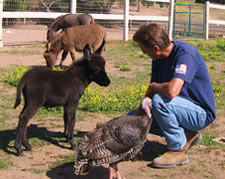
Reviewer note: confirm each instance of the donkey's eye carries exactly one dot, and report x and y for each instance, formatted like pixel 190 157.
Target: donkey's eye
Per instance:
pixel 96 70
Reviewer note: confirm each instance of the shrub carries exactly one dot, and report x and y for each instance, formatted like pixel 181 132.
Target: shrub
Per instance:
pixel 99 6
pixel 124 99
pixel 16 74
pixel 147 3
pixel 219 91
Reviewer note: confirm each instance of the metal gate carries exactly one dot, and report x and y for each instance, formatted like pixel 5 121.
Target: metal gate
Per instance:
pixel 189 21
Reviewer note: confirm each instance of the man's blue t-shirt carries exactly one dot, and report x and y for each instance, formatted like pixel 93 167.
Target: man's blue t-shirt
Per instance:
pixel 186 63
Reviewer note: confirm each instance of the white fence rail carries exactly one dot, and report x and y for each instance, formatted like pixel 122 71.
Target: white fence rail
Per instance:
pixel 209 5
pixel 95 16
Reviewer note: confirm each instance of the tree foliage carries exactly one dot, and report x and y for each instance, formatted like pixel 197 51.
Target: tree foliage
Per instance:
pixel 98 6
pixel 12 5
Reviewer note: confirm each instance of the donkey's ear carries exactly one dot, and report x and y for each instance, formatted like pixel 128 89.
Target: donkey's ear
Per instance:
pixel 99 50
pixel 87 52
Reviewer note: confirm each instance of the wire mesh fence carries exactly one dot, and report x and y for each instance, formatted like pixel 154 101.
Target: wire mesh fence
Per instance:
pixel 36 5
pixel 137 7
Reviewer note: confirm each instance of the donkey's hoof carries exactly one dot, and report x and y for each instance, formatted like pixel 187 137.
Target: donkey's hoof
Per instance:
pixel 73 147
pixel 28 148
pixel 19 153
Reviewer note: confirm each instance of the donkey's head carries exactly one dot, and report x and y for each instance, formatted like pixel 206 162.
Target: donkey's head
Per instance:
pixel 53 48
pixel 96 65
pixel 50 33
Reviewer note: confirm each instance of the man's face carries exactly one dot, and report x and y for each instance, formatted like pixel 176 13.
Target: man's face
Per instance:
pixel 153 53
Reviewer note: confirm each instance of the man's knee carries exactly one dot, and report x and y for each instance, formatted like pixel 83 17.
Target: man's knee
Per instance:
pixel 157 97
pixel 156 100
pixel 158 103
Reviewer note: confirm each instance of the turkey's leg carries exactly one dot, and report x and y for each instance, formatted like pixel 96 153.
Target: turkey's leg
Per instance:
pixel 117 172
pixel 110 172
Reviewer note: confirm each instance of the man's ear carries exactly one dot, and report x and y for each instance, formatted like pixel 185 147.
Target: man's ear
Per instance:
pixel 156 48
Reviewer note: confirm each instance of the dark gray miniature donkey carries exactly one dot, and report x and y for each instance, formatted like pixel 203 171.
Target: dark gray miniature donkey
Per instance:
pixel 42 86
pixel 69 20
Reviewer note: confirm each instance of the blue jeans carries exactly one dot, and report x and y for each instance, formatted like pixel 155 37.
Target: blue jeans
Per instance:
pixel 175 117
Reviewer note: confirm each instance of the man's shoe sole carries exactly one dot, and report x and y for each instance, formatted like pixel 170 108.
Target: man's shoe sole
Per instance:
pixel 182 162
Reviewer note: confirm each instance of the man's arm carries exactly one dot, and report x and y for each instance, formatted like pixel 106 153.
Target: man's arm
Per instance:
pixel 169 89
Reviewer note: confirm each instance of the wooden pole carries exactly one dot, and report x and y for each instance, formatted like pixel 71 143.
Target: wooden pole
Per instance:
pixel 207 20
pixel 1 10
pixel 126 20
pixel 73 6
pixel 171 18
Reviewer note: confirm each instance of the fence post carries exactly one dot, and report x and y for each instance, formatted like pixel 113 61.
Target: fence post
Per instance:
pixel 1 10
pixel 171 18
pixel 73 6
pixel 126 20
pixel 207 20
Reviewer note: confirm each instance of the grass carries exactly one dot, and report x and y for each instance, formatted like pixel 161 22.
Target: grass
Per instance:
pixel 36 142
pixel 65 159
pixel 5 163
pixel 123 66
pixel 8 98
pixel 211 50
pixel 29 50
pixel 4 116
pixel 5 106
pixel 37 170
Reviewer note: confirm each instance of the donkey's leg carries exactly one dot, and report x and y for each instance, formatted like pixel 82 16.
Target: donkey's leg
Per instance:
pixel 96 46
pixel 26 114
pixel 72 54
pixel 32 111
pixel 64 55
pixel 25 142
pixel 65 118
pixel 70 114
pixel 19 135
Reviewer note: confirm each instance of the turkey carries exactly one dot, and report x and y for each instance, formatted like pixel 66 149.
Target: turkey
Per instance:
pixel 117 140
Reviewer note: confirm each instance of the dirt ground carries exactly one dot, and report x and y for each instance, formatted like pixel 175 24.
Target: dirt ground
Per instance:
pixel 36 34
pixel 205 161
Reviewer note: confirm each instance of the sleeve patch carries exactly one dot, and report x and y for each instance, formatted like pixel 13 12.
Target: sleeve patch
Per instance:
pixel 181 68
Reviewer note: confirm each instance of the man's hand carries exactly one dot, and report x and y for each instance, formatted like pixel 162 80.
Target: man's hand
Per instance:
pixel 147 106
pixel 151 90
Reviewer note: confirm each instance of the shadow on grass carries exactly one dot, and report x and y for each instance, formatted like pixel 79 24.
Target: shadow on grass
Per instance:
pixel 7 137
pixel 65 171
pixel 151 150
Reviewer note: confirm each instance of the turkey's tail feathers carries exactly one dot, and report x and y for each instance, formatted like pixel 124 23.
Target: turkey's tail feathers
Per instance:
pixel 118 157
pixel 81 166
